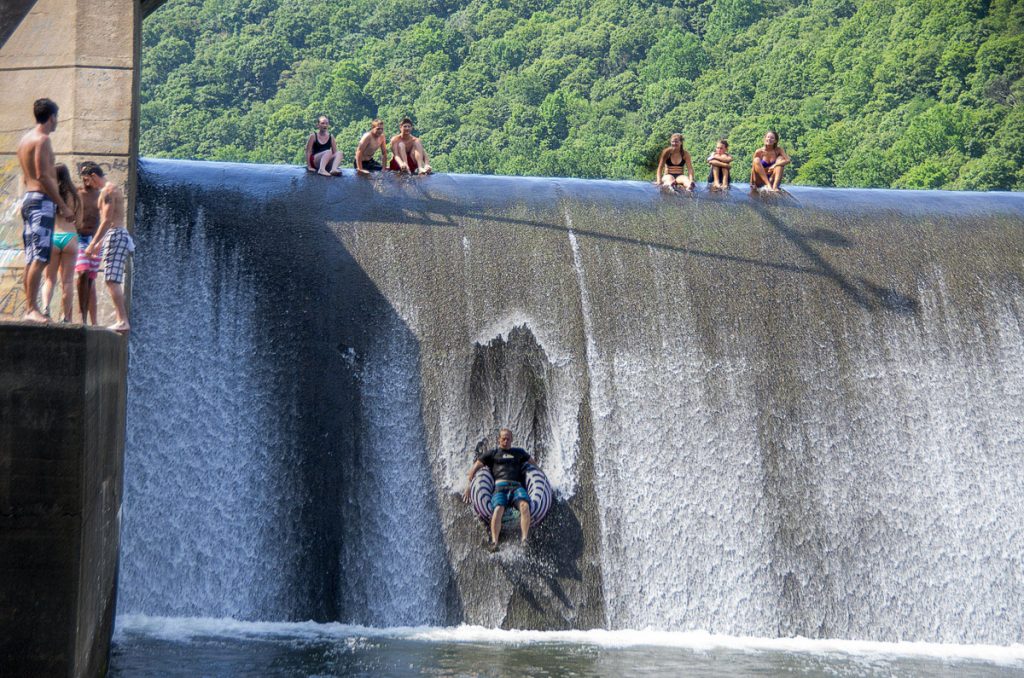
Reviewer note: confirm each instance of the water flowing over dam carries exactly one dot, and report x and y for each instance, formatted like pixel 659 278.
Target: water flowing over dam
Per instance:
pixel 764 417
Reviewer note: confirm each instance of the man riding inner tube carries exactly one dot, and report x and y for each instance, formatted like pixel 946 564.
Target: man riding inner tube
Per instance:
pixel 508 466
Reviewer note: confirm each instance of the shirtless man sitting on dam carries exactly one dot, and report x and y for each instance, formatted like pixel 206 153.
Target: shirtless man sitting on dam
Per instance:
pixel 113 237
pixel 407 151
pixel 41 201
pixel 367 148
pixel 506 464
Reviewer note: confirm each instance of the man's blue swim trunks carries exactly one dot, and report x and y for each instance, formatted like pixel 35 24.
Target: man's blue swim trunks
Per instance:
pixel 38 212
pixel 502 490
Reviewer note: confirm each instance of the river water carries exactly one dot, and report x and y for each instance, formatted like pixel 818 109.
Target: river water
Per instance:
pixel 147 646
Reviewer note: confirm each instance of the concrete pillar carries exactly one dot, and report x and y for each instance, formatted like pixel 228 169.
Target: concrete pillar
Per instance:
pixel 83 54
pixel 62 389
pixel 62 409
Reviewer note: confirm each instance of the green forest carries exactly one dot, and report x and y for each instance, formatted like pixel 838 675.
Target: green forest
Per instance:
pixel 872 93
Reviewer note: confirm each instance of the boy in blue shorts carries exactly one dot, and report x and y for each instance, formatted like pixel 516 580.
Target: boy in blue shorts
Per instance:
pixel 41 202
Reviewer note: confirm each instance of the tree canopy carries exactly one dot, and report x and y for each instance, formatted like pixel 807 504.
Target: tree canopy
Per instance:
pixel 888 93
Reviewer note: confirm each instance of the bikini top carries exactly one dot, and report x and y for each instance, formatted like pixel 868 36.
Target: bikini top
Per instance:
pixel 318 147
pixel 673 166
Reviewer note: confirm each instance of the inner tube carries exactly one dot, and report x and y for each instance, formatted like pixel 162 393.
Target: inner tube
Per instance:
pixel 536 484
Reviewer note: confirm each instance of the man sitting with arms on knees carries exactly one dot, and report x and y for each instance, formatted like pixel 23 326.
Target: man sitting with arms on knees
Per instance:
pixel 407 151
pixel 720 162
pixel 113 237
pixel 506 464
pixel 769 160
pixel 322 151
pixel 368 146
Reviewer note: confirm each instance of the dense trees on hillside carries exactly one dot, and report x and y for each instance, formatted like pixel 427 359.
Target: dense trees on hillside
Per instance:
pixel 904 93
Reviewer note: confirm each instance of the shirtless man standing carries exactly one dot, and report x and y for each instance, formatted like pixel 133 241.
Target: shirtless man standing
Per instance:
pixel 118 243
pixel 88 266
pixel 407 151
pixel 41 202
pixel 368 145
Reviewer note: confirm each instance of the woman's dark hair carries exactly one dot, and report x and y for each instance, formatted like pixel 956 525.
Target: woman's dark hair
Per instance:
pixel 68 191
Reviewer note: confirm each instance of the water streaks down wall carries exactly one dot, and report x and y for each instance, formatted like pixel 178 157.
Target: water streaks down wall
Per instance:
pixel 766 418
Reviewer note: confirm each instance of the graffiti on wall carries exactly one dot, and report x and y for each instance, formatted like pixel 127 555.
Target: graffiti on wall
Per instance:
pixel 12 262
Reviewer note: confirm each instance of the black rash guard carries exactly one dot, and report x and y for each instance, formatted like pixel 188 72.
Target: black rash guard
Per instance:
pixel 507 464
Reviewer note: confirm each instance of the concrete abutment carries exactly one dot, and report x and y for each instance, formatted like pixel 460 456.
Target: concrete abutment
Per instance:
pixel 62 390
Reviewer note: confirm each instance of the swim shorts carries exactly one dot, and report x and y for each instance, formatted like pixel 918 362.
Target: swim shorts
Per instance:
pixel 37 212
pixel 711 178
pixel 370 165
pixel 503 489
pixel 393 165
pixel 90 265
pixel 115 254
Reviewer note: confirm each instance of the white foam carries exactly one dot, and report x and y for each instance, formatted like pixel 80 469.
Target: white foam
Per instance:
pixel 184 629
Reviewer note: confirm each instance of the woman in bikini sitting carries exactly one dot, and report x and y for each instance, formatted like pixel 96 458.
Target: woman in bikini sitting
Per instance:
pixel 768 163
pixel 322 154
pixel 674 165
pixel 64 251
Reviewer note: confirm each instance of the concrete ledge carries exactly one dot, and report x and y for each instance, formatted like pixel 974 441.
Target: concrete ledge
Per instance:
pixel 62 414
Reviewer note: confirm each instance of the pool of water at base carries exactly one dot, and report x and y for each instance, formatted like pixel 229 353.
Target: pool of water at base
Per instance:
pixel 224 648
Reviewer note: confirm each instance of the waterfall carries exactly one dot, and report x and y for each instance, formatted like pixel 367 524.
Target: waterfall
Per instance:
pixel 762 417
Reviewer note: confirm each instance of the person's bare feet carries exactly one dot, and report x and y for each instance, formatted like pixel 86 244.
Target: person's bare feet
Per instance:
pixel 34 316
pixel 336 173
pixel 323 173
pixel 121 327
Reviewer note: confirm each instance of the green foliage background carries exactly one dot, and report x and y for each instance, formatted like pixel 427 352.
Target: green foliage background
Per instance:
pixel 901 93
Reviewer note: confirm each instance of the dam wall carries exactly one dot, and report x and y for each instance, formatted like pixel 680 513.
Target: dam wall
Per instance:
pixel 767 417
pixel 62 400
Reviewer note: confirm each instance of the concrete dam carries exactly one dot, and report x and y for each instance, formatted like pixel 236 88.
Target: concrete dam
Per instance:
pixel 761 417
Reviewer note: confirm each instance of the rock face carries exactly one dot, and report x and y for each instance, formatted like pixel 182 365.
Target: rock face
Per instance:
pixel 753 411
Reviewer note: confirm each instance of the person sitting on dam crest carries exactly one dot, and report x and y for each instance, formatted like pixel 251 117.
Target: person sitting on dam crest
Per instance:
pixel 675 167
pixel 322 150
pixel 407 153
pixel 506 464
pixel 368 145
pixel 720 162
pixel 766 171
